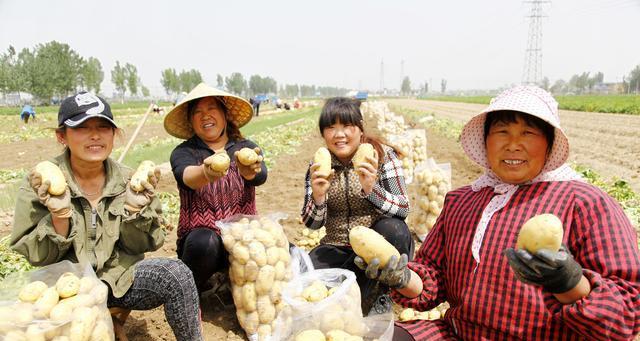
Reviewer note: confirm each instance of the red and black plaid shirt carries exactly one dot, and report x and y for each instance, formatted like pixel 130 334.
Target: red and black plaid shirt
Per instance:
pixel 490 303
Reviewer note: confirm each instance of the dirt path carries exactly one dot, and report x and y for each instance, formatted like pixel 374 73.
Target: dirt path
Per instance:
pixel 607 143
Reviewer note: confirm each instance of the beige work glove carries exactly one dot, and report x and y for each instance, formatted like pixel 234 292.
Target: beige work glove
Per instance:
pixel 58 205
pixel 249 172
pixel 135 201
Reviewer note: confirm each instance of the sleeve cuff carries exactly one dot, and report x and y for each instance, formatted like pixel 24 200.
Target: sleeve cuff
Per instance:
pixel 45 229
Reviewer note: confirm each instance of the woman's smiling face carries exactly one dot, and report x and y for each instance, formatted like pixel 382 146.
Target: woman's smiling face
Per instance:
pixel 208 119
pixel 516 151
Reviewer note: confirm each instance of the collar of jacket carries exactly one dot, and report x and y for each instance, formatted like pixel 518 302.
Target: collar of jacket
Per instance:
pixel 337 165
pixel 116 180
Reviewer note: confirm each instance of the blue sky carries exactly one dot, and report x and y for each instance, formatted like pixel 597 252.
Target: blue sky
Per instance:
pixel 472 44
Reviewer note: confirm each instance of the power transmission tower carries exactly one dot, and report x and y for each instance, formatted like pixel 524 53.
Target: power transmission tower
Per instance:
pixel 532 73
pixel 382 76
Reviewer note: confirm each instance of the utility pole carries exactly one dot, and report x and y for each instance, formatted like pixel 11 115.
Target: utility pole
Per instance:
pixel 532 73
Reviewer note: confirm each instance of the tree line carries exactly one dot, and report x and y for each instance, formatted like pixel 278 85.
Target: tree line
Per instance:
pixel 54 70
pixel 586 82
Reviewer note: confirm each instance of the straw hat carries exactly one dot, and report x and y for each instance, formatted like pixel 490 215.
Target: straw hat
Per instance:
pixel 176 123
pixel 530 100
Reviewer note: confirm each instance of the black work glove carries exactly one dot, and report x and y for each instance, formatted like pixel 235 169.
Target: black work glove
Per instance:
pixel 556 272
pixel 395 274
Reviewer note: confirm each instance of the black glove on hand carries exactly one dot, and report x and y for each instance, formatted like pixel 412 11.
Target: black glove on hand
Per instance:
pixel 556 272
pixel 395 274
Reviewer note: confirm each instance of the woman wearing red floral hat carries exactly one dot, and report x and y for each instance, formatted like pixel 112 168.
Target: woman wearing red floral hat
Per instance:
pixel 588 289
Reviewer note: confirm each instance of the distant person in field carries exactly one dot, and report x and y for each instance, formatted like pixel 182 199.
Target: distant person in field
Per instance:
pixel 209 120
pixel 27 111
pixel 256 105
pixel 100 220
pixel 374 196
pixel 588 289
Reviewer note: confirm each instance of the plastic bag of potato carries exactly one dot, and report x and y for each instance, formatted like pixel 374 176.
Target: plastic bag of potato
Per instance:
pixel 64 300
pixel 413 144
pixel 327 302
pixel 431 183
pixel 260 266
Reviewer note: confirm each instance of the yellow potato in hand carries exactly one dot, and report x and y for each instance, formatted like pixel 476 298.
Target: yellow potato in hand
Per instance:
pixel 543 231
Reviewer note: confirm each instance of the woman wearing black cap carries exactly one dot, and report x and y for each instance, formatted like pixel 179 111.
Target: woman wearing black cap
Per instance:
pixel 102 221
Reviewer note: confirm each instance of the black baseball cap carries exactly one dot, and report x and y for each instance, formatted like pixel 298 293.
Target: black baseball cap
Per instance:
pixel 82 106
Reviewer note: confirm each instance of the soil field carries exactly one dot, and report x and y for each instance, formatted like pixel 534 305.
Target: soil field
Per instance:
pixel 607 143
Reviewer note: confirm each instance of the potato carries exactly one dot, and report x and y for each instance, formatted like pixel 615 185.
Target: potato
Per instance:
pixel 46 302
pixel 543 231
pixel 338 335
pixel 315 292
pixel 35 333
pixel 251 323
pixel 237 273
pixel 240 253
pixel 310 335
pixel 273 255
pixel 142 174
pixel 68 285
pixel 265 238
pixel 220 162
pixel 251 271
pixel 407 314
pixel 61 338
pixel 99 293
pixel 266 310
pixel 369 244
pixel 32 291
pixel 52 173
pixel 15 335
pixel 236 292
pixel 276 292
pixel 61 312
pixel 264 331
pixel 364 150
pixel 101 332
pixel 331 322
pixel 323 158
pixel 83 323
pixel 258 253
pixel 264 282
pixel 280 271
pixel 249 297
pixel 247 156
pixel 86 284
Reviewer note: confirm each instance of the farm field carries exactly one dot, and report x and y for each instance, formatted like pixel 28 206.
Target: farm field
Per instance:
pixel 607 139
pixel 607 143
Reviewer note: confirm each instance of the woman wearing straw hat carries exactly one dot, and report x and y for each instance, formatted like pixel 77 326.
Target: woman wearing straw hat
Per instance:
pixel 209 120
pixel 100 220
pixel 588 289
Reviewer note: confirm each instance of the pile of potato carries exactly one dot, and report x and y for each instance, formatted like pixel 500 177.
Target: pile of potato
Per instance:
pixel 74 309
pixel 410 314
pixel 309 238
pixel 378 117
pixel 260 266
pixel 413 144
pixel 324 300
pixel 332 335
pixel 431 185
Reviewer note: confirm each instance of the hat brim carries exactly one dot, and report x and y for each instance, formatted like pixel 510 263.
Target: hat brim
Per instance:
pixel 473 142
pixel 80 118
pixel 177 124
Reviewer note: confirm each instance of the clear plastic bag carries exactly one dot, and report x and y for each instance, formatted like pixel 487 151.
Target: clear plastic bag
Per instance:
pixel 432 181
pixel 339 311
pixel 261 264
pixel 61 299
pixel 413 144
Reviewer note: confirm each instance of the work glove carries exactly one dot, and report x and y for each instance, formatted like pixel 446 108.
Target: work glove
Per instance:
pixel 209 173
pixel 395 274
pixel 135 201
pixel 556 272
pixel 58 205
pixel 249 172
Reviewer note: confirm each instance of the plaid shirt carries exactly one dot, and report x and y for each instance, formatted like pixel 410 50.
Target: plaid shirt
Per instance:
pixel 488 302
pixel 347 206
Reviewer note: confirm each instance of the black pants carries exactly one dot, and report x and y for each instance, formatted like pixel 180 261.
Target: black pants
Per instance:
pixel 203 252
pixel 326 256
